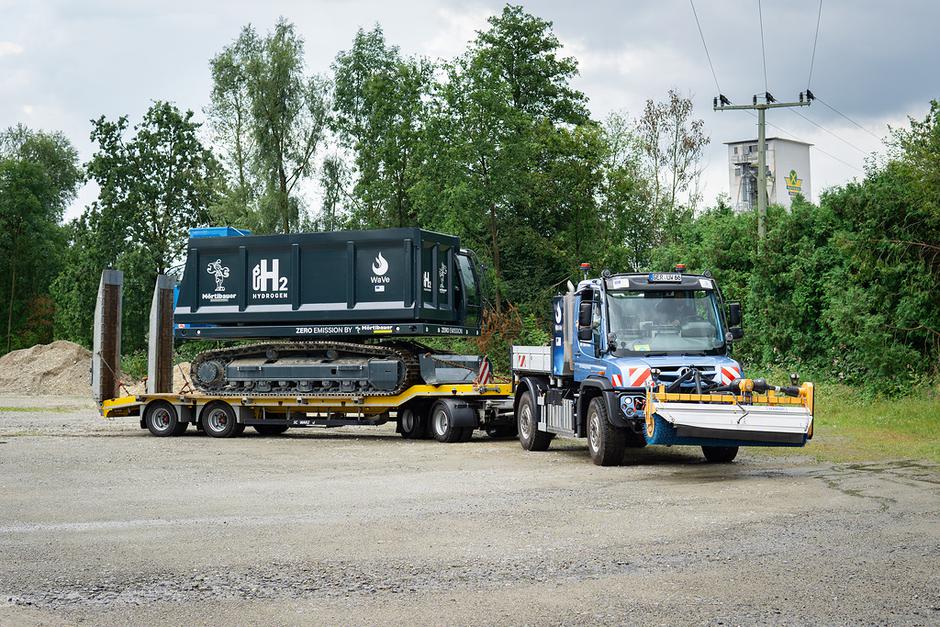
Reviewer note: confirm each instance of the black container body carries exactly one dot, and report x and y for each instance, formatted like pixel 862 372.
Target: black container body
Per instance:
pixel 381 276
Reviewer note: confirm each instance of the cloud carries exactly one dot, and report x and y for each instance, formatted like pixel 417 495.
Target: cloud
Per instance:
pixel 457 27
pixel 10 49
pixel 28 109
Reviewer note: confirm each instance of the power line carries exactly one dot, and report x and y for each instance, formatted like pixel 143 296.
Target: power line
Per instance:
pixel 812 59
pixel 816 148
pixel 763 52
pixel 820 126
pixel 704 45
pixel 849 119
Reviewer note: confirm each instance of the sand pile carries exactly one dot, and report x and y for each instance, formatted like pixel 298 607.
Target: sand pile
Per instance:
pixel 61 368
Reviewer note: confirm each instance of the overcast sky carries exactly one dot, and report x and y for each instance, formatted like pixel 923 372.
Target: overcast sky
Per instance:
pixel 64 63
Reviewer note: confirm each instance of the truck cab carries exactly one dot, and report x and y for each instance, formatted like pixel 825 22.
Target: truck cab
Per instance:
pixel 615 339
pixel 668 327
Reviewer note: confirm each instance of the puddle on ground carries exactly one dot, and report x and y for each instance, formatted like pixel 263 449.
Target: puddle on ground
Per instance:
pixel 907 473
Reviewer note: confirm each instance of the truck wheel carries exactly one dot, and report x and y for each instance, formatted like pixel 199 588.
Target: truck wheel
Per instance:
pixel 270 429
pixel 442 424
pixel 720 454
pixel 161 419
pixel 412 423
pixel 606 442
pixel 530 437
pixel 218 420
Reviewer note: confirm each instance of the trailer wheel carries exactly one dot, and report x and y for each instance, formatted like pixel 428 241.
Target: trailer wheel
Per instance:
pixel 530 437
pixel 412 423
pixel 162 420
pixel 442 424
pixel 720 454
pixel 606 442
pixel 270 429
pixel 218 420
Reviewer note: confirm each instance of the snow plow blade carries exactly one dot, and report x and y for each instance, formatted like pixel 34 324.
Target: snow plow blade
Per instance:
pixel 730 419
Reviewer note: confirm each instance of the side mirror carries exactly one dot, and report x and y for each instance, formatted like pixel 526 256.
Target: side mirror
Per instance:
pixel 736 333
pixel 734 314
pixel 585 313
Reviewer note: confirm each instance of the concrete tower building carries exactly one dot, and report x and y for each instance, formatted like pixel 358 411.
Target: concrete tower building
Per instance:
pixel 787 172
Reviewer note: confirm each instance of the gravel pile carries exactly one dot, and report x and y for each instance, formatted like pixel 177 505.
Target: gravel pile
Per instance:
pixel 60 368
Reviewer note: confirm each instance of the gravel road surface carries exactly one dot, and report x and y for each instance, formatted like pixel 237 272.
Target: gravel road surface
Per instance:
pixel 101 522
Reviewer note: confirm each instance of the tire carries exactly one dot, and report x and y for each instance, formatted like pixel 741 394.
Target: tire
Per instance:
pixel 720 454
pixel 502 432
pixel 218 420
pixel 606 443
pixel 270 429
pixel 162 420
pixel 530 437
pixel 412 423
pixel 441 424
pixel 180 427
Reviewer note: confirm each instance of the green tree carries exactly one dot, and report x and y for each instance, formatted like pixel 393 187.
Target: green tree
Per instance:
pixel 39 177
pixel 378 109
pixel 270 116
pixel 672 143
pixel 155 183
pixel 625 198
pixel 503 121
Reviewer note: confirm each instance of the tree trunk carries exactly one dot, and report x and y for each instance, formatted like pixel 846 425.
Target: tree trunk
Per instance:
pixel 283 200
pixel 10 307
pixel 496 269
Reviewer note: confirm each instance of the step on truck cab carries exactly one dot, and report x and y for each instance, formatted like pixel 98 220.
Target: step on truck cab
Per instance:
pixel 646 358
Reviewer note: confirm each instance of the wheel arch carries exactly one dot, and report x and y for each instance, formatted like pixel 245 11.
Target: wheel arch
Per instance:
pixel 591 388
pixel 535 385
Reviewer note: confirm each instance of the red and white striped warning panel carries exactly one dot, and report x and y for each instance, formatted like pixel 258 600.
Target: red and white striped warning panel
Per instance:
pixel 635 377
pixel 728 374
pixel 483 376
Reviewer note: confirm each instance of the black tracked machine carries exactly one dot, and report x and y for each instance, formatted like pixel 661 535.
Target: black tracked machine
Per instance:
pixel 317 296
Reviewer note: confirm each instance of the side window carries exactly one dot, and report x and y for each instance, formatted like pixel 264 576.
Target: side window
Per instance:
pixel 596 320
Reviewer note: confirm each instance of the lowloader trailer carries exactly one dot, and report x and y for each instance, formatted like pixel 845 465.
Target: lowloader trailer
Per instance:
pixel 645 359
pixel 339 317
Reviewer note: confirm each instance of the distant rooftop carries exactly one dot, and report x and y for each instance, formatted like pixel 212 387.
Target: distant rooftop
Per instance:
pixel 778 139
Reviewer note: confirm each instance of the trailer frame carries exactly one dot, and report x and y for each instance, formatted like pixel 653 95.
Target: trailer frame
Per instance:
pixel 468 406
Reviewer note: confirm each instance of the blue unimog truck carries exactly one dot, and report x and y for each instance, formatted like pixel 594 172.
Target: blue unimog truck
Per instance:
pixel 641 359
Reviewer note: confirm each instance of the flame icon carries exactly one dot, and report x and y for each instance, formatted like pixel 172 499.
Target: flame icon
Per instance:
pixel 379 266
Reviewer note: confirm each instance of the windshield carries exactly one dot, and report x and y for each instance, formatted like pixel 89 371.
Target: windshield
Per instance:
pixel 680 321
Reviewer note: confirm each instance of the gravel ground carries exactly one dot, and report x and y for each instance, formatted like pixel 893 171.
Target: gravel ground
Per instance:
pixel 101 522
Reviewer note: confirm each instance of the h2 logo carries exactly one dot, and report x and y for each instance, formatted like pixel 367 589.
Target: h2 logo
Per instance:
pixel 265 280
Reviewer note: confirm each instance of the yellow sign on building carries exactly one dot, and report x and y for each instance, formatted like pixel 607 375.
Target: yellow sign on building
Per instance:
pixel 794 184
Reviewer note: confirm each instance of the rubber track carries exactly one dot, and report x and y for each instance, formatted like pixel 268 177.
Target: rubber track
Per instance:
pixel 402 351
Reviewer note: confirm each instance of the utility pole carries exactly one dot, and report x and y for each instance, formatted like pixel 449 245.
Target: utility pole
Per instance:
pixel 721 103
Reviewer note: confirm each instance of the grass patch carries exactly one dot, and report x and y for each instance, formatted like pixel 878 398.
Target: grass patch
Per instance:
pixel 55 408
pixel 850 427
